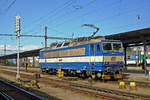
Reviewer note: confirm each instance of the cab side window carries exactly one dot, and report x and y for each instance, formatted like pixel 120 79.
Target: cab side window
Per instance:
pixel 98 48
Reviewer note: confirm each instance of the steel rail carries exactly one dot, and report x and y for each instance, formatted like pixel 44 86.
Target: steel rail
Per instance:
pixel 116 92
pixel 4 96
pixel 23 91
pixel 139 83
pixel 105 90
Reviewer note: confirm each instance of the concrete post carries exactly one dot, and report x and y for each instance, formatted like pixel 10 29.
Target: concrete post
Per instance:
pixel 17 31
pixel 125 53
pixel 145 68
pixel 33 63
pixel 45 36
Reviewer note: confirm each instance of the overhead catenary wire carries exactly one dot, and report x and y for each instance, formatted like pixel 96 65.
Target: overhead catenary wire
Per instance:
pixel 11 4
pixel 74 18
pixel 72 11
pixel 123 13
pixel 51 14
pixel 129 25
pixel 104 19
pixel 40 36
pixel 85 14
pixel 56 10
pixel 111 17
pixel 115 15
pixel 5 10
pixel 81 8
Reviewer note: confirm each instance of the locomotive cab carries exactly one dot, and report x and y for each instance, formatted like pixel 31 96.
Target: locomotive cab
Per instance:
pixel 113 57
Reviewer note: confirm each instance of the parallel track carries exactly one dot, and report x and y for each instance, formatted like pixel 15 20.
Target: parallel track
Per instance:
pixel 12 92
pixel 4 96
pixel 101 91
pixel 114 92
pixel 105 92
pixel 139 83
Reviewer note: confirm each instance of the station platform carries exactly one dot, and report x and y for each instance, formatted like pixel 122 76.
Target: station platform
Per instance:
pixel 136 73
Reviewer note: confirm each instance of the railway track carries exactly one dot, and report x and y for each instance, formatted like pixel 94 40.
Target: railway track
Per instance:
pixel 12 92
pixel 139 83
pixel 109 94
pixel 128 95
pixel 104 92
pixel 127 82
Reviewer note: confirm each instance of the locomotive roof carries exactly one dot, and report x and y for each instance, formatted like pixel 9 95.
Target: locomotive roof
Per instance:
pixel 75 42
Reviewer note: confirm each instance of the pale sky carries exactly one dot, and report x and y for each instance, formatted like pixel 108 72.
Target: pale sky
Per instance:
pixel 65 17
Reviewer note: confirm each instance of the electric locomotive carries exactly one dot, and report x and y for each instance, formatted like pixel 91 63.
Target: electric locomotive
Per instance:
pixel 96 58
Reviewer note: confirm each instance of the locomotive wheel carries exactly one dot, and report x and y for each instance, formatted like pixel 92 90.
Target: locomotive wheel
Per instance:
pixel 99 75
pixel 83 75
pixel 43 70
pixel 93 76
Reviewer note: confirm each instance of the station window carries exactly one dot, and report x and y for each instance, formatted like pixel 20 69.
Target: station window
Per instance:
pixel 128 57
pixel 134 57
pixel 148 56
pixel 92 47
pixel 98 48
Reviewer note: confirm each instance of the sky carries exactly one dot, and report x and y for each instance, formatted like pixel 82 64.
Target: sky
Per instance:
pixel 66 17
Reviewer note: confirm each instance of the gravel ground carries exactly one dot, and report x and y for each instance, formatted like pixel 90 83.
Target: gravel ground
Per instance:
pixel 66 94
pixel 61 93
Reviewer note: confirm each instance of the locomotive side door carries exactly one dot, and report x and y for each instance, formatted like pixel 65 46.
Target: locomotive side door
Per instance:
pixel 92 54
pixel 95 51
pixel 98 49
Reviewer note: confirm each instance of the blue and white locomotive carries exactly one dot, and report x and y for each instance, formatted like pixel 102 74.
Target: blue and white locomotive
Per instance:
pixel 96 58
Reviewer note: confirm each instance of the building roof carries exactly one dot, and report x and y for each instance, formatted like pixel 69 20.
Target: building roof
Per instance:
pixel 132 38
pixel 22 54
